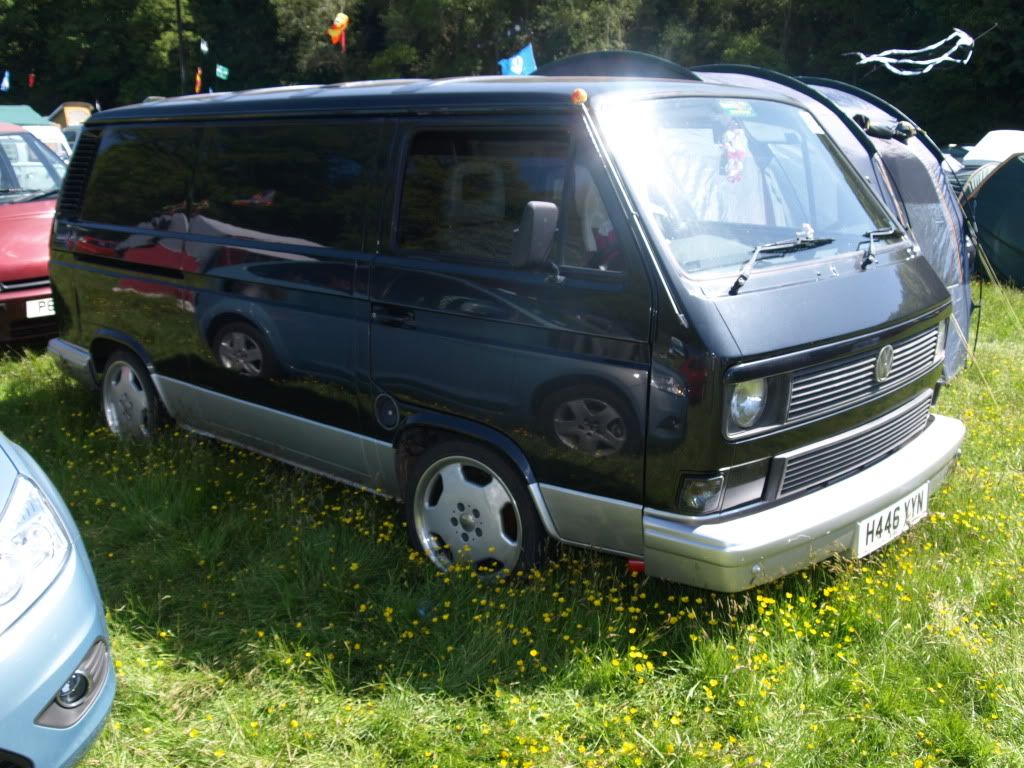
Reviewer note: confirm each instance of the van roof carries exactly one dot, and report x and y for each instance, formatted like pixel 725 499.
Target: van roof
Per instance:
pixel 453 95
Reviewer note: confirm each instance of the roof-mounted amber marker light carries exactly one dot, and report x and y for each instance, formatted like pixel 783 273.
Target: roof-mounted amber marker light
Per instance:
pixel 579 96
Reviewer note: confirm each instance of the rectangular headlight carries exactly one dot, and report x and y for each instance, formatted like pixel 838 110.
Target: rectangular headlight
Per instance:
pixel 700 495
pixel 33 549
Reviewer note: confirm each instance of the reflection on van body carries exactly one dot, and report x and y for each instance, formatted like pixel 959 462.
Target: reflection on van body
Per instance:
pixel 670 323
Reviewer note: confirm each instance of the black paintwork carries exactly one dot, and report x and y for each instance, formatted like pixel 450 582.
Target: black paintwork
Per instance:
pixel 479 95
pixel 497 350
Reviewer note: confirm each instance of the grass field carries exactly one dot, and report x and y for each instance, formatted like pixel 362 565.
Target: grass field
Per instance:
pixel 263 616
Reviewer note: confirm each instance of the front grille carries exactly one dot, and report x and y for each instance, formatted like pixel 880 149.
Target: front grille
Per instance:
pixel 833 459
pixel 830 388
pixel 24 285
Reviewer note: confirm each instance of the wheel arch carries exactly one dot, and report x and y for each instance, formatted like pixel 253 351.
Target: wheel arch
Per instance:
pixel 108 341
pixel 422 430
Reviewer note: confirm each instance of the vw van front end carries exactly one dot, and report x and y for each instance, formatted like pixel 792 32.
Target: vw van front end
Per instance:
pixel 816 331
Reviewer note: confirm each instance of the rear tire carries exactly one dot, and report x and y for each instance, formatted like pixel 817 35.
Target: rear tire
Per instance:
pixel 466 504
pixel 131 407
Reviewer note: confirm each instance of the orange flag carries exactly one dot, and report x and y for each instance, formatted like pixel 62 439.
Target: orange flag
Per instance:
pixel 337 31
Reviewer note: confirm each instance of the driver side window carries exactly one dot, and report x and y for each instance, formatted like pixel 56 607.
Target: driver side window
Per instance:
pixel 465 190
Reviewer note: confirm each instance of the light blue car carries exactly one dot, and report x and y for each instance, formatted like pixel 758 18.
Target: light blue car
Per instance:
pixel 56 676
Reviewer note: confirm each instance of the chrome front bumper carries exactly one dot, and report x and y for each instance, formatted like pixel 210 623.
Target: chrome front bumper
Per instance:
pixel 742 552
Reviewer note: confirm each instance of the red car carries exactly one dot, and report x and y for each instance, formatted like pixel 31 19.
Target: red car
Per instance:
pixel 30 179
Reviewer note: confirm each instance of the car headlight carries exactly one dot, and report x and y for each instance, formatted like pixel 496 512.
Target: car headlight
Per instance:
pixel 33 549
pixel 746 403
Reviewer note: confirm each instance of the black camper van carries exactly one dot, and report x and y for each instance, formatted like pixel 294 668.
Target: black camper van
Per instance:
pixel 662 319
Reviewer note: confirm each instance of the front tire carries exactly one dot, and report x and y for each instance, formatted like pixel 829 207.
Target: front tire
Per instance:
pixel 467 505
pixel 130 403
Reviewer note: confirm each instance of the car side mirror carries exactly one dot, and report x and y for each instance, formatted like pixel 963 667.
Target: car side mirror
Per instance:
pixel 535 234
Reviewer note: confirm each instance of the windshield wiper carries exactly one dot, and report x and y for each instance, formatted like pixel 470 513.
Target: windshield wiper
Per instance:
pixel 869 255
pixel 773 251
pixel 12 191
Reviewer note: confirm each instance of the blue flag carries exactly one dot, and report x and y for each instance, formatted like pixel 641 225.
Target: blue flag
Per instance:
pixel 521 63
pixel 5 84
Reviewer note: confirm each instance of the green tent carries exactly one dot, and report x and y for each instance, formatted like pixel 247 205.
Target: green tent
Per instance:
pixel 21 114
pixel 993 196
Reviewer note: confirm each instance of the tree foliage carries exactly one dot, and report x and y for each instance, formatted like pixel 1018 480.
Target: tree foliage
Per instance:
pixel 120 51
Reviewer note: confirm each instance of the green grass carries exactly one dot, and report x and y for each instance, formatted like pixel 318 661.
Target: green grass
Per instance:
pixel 263 616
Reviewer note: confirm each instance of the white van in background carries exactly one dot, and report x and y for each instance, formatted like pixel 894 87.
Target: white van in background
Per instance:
pixel 52 136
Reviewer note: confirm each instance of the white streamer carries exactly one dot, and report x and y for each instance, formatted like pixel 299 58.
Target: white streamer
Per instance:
pixel 958 48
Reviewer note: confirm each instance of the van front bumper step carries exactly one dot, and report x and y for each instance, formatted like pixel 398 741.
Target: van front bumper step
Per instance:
pixel 743 552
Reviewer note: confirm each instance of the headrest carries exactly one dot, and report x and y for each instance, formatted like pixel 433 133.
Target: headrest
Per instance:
pixel 475 192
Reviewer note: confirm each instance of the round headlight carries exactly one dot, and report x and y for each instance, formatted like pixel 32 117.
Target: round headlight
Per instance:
pixel 747 402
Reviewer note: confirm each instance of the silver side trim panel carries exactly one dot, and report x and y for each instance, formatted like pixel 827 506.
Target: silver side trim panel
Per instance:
pixel 382 456
pixel 76 360
pixel 542 511
pixel 742 552
pixel 585 520
pixel 338 453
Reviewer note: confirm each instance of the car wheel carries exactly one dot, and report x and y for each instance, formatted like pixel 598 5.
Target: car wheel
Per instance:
pixel 592 419
pixel 130 403
pixel 466 504
pixel 241 348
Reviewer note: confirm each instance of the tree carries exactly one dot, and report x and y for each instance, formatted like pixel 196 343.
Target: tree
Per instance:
pixel 119 51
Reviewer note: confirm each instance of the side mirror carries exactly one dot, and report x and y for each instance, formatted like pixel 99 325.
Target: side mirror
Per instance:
pixel 535 234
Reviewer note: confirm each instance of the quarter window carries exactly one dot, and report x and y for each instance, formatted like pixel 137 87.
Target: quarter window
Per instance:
pixel 141 177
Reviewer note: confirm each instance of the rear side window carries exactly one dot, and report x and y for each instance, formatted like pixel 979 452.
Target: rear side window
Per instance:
pixel 465 191
pixel 308 182
pixel 142 174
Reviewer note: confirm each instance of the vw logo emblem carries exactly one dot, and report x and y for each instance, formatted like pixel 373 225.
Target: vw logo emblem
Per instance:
pixel 883 365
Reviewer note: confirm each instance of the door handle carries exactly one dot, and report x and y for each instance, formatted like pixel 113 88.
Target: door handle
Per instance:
pixel 393 317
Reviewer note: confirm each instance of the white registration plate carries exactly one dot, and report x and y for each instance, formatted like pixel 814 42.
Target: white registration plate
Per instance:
pixel 39 307
pixel 882 527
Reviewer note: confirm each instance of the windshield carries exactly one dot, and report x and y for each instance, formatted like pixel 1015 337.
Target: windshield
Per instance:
pixel 27 168
pixel 715 179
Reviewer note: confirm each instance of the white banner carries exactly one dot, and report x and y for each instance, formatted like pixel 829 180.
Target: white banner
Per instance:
pixel 955 49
